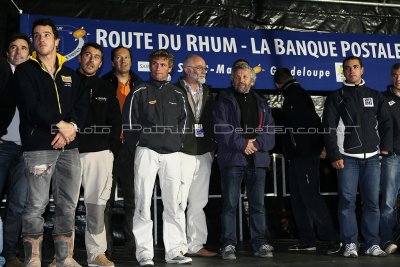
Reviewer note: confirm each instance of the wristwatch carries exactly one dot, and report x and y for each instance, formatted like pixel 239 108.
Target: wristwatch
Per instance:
pixel 75 126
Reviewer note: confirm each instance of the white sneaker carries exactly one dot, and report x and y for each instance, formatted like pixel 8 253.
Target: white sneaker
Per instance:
pixel 146 262
pixel 350 250
pixel 376 251
pixel 180 259
pixel 391 248
pixel 265 251
pixel 228 252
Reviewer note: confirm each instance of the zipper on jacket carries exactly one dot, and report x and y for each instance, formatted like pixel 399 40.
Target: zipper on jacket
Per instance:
pixel 58 96
pixel 362 137
pixel 163 113
pixel 53 77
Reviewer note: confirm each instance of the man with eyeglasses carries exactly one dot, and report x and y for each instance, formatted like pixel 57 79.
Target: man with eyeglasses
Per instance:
pixel 98 144
pixel 52 106
pixel 196 154
pixel 123 80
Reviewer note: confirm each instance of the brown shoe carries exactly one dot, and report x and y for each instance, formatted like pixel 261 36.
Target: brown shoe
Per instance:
pixel 205 253
pixel 14 262
pixel 101 261
pixel 52 264
pixel 69 262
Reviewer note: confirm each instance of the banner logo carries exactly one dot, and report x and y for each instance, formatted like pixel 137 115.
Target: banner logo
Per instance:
pixel 339 72
pixel 71 37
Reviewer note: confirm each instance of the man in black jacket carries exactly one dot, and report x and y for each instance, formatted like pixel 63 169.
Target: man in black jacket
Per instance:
pixel 52 107
pixel 12 168
pixel 123 79
pixel 390 167
pixel 197 154
pixel 358 127
pixel 154 119
pixel 99 142
pixel 302 148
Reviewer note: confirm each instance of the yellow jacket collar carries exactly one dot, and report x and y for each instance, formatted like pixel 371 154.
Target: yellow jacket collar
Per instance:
pixel 60 58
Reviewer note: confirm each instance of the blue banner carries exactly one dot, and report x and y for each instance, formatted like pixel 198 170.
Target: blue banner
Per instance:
pixel 315 59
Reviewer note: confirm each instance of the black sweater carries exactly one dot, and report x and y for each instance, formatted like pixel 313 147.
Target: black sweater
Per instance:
pixel 302 123
pixel 102 128
pixel 110 77
pixel 7 97
pixel 394 107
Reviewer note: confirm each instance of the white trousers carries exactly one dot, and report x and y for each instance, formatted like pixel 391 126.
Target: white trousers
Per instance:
pixel 148 164
pixel 196 171
pixel 96 181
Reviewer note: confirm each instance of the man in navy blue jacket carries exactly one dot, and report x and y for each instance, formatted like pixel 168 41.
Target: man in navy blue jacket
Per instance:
pixel 359 127
pixel 244 135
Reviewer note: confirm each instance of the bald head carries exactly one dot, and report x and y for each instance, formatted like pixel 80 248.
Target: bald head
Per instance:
pixel 195 69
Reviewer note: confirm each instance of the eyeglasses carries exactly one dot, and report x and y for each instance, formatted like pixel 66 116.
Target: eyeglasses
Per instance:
pixel 198 68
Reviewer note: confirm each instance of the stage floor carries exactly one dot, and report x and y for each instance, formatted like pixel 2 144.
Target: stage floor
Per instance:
pixel 282 258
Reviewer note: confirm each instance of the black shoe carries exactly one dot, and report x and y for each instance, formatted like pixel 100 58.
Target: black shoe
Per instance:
pixel 108 254
pixel 302 247
pixel 334 247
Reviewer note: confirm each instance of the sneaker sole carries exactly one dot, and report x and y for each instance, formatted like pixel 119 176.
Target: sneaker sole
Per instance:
pixel 179 262
pixel 264 256
pixel 380 255
pixel 149 263
pixel 351 256
pixel 229 258
pixel 391 251
pixel 303 249
pixel 96 265
pixel 331 252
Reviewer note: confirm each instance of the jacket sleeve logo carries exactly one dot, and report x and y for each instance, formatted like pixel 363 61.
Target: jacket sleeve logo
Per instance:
pixel 152 102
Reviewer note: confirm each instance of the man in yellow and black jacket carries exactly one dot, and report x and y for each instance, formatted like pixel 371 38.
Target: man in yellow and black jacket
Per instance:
pixel 52 107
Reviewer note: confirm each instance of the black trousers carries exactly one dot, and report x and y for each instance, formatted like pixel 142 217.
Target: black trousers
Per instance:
pixel 308 206
pixel 123 174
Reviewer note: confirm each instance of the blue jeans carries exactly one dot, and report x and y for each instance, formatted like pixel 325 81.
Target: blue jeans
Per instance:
pixel 12 169
pixel 390 185
pixel 231 179
pixel 366 174
pixel 66 182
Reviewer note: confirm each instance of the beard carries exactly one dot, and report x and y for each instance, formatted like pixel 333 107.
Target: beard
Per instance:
pixel 199 79
pixel 242 88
